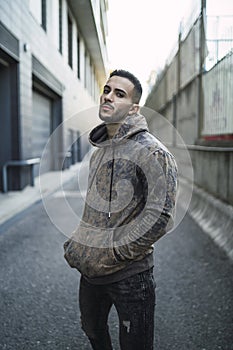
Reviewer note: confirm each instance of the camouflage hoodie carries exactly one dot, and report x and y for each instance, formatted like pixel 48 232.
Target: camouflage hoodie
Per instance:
pixel 129 203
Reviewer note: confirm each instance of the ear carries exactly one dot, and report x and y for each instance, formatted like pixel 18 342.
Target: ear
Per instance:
pixel 134 109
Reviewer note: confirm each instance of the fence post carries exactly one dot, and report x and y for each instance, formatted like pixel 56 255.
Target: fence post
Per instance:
pixel 202 44
pixel 174 112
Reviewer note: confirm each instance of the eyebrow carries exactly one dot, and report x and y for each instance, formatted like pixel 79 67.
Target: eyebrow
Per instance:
pixel 117 89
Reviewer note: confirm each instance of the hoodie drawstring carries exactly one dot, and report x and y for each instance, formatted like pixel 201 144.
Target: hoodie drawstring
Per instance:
pixel 111 182
pixel 111 179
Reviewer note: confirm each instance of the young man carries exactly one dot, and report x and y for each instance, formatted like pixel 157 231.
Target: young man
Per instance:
pixel 129 206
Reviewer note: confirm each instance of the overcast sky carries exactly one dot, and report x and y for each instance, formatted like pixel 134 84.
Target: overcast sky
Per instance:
pixel 142 33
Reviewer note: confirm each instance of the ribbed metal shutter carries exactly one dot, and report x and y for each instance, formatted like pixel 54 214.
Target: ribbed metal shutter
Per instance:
pixel 41 129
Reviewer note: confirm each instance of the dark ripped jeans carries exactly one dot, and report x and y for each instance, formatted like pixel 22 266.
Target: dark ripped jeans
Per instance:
pixel 134 300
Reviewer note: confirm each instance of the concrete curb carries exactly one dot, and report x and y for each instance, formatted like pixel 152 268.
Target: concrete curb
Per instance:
pixel 213 216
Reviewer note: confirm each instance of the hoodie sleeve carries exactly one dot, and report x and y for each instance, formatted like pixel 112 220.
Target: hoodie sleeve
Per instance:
pixel 157 217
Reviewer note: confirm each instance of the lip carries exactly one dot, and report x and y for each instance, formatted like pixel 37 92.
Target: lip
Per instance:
pixel 106 107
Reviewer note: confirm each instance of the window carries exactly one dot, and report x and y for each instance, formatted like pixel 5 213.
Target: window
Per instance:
pixel 38 10
pixel 88 73
pixel 60 26
pixel 70 43
pixel 43 15
pixel 85 70
pixel 78 57
pixel 102 26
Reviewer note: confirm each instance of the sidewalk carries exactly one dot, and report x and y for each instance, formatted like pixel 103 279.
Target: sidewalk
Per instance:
pixel 13 202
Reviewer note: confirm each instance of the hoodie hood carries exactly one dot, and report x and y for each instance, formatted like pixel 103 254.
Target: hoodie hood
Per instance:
pixel 131 125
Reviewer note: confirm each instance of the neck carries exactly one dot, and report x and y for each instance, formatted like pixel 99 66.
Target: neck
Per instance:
pixel 112 129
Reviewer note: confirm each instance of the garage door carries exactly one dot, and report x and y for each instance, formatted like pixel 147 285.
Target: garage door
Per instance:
pixel 41 128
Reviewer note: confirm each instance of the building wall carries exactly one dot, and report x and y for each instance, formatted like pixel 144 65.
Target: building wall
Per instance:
pixel 212 170
pixel 198 104
pixel 42 67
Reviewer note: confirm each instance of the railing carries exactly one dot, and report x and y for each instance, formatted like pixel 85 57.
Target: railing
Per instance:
pixel 18 163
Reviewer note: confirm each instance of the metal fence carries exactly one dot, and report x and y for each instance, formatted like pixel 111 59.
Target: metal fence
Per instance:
pixel 219 38
pixel 218 98
pixel 200 79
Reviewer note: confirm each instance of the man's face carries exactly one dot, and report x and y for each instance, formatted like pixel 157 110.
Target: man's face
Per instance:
pixel 116 100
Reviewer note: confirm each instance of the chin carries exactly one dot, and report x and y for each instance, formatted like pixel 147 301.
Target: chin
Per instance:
pixel 105 118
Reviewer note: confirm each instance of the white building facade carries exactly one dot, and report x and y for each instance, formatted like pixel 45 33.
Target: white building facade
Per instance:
pixel 53 62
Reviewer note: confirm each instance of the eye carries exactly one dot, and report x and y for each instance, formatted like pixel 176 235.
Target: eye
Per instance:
pixel 106 90
pixel 120 94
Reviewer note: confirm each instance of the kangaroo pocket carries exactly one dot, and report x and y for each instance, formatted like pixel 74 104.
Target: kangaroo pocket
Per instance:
pixel 91 251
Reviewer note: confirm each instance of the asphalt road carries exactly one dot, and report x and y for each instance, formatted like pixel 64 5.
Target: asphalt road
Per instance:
pixel 38 290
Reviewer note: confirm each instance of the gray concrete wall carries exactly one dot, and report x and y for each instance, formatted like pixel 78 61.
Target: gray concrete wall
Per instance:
pixel 187 113
pixel 185 96
pixel 212 169
pixel 213 172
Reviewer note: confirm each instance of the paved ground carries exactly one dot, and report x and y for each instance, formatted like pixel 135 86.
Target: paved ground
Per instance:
pixel 38 290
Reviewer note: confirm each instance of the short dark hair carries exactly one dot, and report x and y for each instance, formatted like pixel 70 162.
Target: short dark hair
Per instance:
pixel 137 85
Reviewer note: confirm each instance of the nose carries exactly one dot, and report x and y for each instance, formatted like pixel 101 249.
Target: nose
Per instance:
pixel 108 97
